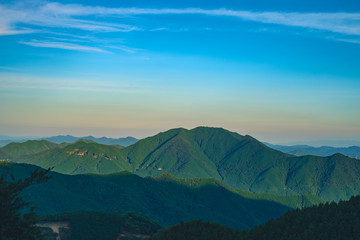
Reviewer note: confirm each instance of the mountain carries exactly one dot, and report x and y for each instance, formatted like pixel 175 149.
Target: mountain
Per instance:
pixel 28 147
pixel 3 156
pixel 127 141
pixel 244 163
pixel 6 142
pixel 166 199
pixel 320 143
pixel 19 139
pixel 239 161
pixel 83 156
pixel 302 150
pixel 323 222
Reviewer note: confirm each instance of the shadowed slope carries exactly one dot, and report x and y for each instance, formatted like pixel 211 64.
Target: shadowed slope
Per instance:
pixel 166 199
pixel 323 222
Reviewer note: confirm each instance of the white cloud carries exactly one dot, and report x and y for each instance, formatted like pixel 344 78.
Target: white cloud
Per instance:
pixel 11 16
pixel 52 14
pixel 355 41
pixel 15 32
pixel 346 23
pixel 62 45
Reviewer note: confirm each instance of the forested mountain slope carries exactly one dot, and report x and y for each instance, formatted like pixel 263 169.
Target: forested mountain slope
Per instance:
pixel 239 161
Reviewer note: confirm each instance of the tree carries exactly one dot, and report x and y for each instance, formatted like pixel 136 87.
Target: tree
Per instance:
pixel 17 217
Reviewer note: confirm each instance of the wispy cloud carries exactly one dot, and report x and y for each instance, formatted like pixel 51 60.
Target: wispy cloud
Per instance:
pixel 347 39
pixel 126 48
pixel 52 14
pixel 4 31
pixel 62 45
pixel 52 18
pixel 16 81
pixel 347 23
pixel 356 41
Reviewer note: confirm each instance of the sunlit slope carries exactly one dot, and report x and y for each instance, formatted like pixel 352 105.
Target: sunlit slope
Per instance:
pixel 244 163
pixel 174 151
pixel 28 147
pixel 80 157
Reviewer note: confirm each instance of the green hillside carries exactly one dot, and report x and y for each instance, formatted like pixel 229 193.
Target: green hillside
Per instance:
pixel 3 156
pixel 84 156
pixel 241 162
pixel 166 199
pixel 28 147
pixel 174 152
pixel 244 163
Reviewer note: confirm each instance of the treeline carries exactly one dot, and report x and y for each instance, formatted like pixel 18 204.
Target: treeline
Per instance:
pixel 329 221
pixel 198 230
pixel 326 221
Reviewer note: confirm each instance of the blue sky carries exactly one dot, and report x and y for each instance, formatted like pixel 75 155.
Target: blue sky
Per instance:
pixel 277 70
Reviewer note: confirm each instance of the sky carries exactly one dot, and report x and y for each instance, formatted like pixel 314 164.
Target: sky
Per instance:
pixel 276 70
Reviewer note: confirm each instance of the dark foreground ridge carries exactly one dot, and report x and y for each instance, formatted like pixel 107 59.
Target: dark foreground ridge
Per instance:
pixel 328 221
pixel 166 199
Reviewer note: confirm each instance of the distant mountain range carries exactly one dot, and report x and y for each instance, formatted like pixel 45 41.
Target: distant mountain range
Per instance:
pixel 242 162
pixel 126 141
pixel 321 143
pixel 165 199
pixel 302 150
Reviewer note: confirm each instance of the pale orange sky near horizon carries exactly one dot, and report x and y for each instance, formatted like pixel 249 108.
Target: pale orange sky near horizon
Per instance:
pixel 29 110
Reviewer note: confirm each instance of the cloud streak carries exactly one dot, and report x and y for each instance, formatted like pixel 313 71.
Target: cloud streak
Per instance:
pixel 52 18
pixel 355 41
pixel 39 16
pixel 59 15
pixel 15 82
pixel 62 45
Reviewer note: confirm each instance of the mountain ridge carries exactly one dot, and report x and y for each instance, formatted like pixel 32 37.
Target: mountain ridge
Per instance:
pixel 239 161
pixel 124 141
pixel 302 150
